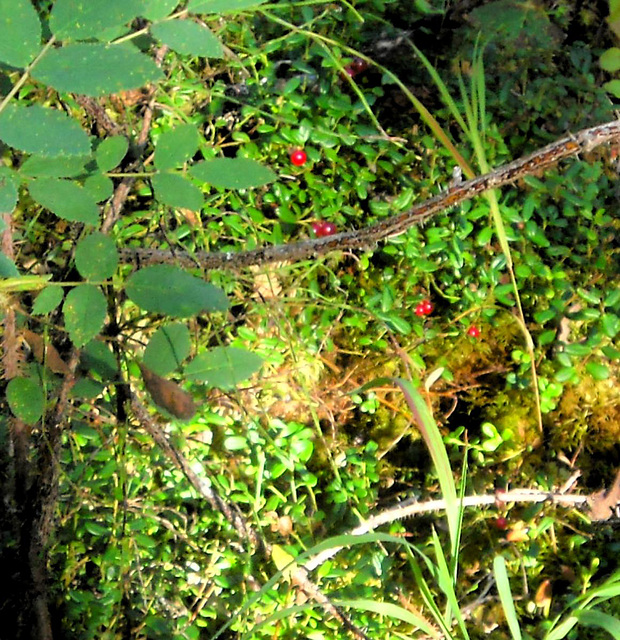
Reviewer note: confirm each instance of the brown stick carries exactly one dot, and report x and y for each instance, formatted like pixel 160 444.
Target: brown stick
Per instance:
pixel 367 237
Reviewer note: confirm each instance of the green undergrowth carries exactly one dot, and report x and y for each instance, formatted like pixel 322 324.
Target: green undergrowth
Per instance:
pixel 315 394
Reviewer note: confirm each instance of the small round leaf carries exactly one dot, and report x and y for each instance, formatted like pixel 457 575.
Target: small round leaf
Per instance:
pixel 26 399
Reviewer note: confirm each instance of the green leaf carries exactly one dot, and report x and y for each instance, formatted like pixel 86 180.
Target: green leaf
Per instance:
pixel 167 348
pixel 171 291
pixel 7 267
pixel 159 9
pixel 21 32
pixel 223 367
pixel 110 152
pixel 66 199
pixel 96 257
pixel 46 132
pixel 99 187
pixel 505 596
pixel 79 20
pixel 176 146
pixel 84 310
pixel 61 167
pixel 96 69
pixel 8 189
pixel 189 38
pixel 610 60
pixel 47 301
pixel 233 173
pixel 221 6
pixel 597 370
pixel 176 191
pixel 98 357
pixel 26 399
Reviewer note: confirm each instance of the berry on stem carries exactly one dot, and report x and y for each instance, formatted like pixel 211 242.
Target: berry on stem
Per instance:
pixel 299 157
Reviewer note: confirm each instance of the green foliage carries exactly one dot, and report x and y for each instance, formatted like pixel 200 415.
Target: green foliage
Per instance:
pixel 171 291
pixel 135 547
pixel 26 399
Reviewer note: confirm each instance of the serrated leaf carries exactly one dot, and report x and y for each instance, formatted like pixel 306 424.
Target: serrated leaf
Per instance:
pixel 21 32
pixel 62 167
pixel 189 38
pixel 159 9
pixel 47 301
pixel 96 69
pixel 233 173
pixel 169 290
pixel 167 348
pixel 8 189
pixel 96 257
pixel 84 310
pixel 222 6
pixel 43 131
pixel 174 190
pixel 66 199
pixel 26 399
pixel 81 20
pixel 223 367
pixel 99 187
pixel 176 146
pixel 110 152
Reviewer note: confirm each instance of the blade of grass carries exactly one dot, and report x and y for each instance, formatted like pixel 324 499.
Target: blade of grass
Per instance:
pixel 505 596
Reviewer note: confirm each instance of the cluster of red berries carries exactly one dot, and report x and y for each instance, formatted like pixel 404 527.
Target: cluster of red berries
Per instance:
pixel 322 228
pixel 425 308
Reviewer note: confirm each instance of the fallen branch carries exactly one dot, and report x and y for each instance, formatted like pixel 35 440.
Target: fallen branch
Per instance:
pixel 367 237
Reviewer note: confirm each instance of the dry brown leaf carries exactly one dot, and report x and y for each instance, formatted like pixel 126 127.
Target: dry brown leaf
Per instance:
pixel 168 395
pixel 45 353
pixel 602 503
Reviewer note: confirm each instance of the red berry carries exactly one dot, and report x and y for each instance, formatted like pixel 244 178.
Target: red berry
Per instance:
pixel 501 523
pixel 322 228
pixel 473 331
pixel 359 65
pixel 299 157
pixel 329 228
pixel 419 310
